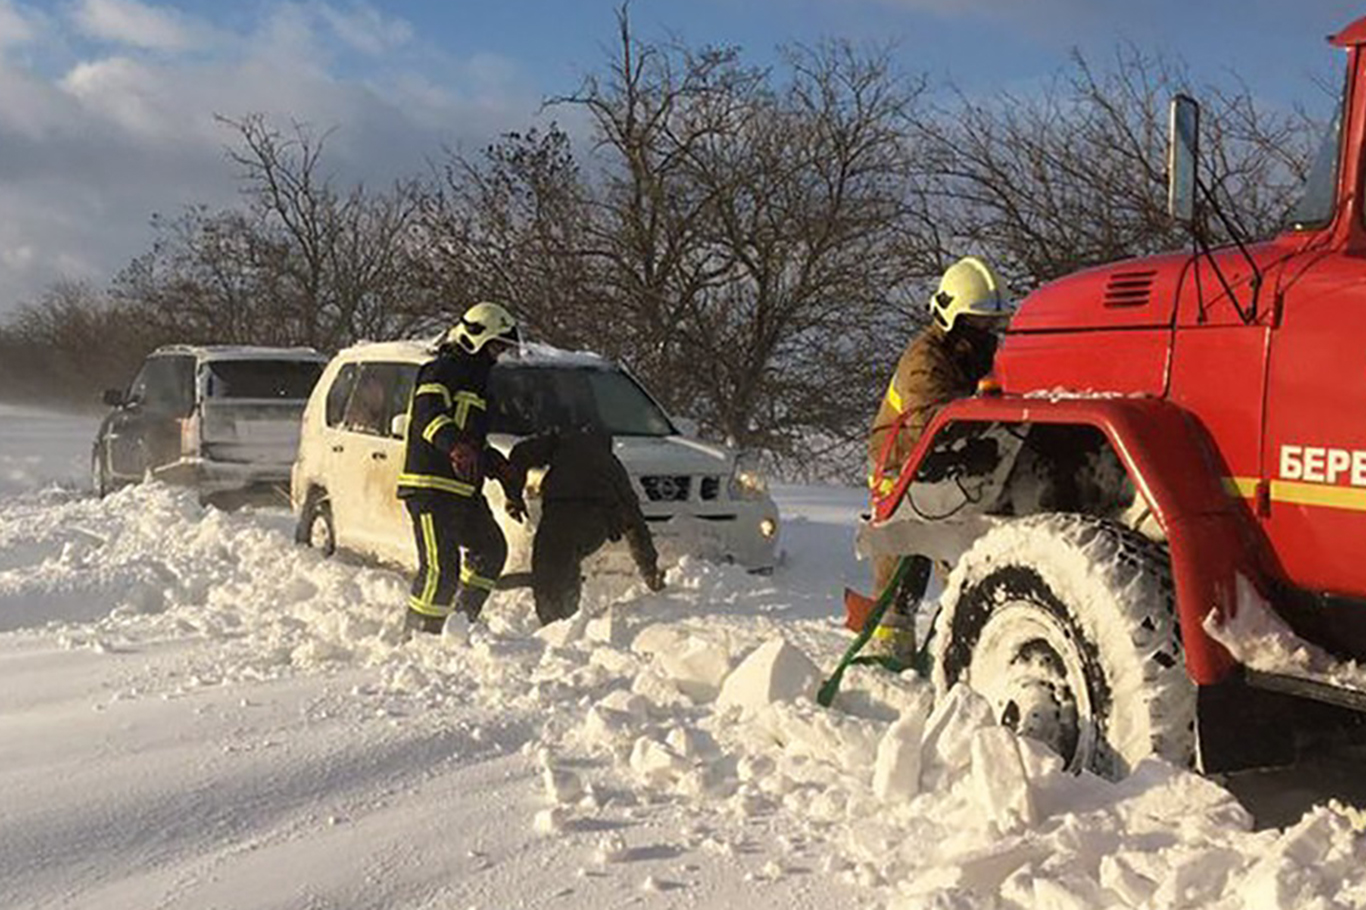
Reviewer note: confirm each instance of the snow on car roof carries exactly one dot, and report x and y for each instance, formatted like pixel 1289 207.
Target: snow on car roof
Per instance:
pixel 240 352
pixel 533 354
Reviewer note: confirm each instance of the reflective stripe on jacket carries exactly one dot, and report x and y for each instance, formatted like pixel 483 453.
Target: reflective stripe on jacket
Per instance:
pixel 448 407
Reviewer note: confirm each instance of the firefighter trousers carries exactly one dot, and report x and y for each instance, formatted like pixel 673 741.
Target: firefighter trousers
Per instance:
pixel 460 553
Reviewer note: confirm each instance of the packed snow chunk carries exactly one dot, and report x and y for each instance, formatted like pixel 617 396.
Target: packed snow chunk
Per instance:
pixel 683 741
pixel 657 689
pixel 999 777
pixel 985 868
pixel 697 669
pixel 559 634
pixel 622 708
pixel 1306 866
pixel 775 671
pixel 606 628
pixel 805 730
pixel 611 849
pixel 896 772
pixel 1040 761
pixel 947 742
pixel 874 693
pixel 656 763
pixel 1198 878
pixel 659 639
pixel 1118 875
pixel 455 631
pixel 561 786
pixel 1069 892
pixel 550 821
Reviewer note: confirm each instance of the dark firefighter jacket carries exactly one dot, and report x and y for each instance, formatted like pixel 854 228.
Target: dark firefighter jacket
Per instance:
pixel 935 368
pixel 582 469
pixel 448 408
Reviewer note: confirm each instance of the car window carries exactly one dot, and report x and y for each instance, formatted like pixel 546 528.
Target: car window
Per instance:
pixel 381 392
pixel 165 385
pixel 340 393
pixel 527 400
pixel 284 379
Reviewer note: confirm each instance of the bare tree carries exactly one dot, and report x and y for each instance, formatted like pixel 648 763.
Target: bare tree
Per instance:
pixel 1074 175
pixel 651 227
pixel 70 343
pixel 346 264
pixel 511 225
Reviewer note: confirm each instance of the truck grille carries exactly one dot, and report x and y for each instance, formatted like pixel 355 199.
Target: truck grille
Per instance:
pixel 666 487
pixel 711 487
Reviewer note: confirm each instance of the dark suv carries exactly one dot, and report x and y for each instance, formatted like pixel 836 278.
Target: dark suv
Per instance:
pixel 224 419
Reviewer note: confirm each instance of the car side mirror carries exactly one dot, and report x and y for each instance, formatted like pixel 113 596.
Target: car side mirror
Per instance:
pixel 1183 151
pixel 398 426
pixel 113 398
pixel 686 426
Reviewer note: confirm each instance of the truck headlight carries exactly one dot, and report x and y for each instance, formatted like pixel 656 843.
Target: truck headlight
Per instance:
pixel 767 528
pixel 747 480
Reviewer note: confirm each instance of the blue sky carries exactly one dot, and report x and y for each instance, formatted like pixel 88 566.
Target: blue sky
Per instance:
pixel 106 106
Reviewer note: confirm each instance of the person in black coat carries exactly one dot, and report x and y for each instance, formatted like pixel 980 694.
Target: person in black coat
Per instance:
pixel 587 500
pixel 446 458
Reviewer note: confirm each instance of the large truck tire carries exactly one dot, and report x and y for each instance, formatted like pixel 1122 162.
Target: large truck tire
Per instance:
pixel 1066 624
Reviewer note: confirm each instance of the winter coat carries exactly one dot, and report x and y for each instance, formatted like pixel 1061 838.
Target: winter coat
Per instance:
pixel 584 472
pixel 448 408
pixel 935 368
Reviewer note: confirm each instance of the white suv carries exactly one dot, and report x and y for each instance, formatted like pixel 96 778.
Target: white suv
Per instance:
pixel 698 498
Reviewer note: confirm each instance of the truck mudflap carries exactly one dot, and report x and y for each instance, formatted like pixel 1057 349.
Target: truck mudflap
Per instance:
pixel 939 511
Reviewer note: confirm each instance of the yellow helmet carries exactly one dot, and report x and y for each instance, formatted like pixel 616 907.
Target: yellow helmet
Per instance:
pixel 481 324
pixel 969 288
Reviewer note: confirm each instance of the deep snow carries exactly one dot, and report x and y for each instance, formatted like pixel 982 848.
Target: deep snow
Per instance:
pixel 194 712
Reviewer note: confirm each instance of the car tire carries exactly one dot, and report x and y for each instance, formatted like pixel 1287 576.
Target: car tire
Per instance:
pixel 315 528
pixel 1066 624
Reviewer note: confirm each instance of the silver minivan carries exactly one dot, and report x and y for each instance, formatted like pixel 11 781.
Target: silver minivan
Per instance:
pixel 698 498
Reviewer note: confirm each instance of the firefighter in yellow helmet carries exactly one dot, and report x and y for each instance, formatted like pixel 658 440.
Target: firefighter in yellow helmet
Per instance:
pixel 460 548
pixel 943 362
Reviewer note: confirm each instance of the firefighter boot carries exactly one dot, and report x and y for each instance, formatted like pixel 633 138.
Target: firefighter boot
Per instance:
pixel 416 622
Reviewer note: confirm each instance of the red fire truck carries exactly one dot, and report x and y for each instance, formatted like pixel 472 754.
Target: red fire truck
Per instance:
pixel 1174 441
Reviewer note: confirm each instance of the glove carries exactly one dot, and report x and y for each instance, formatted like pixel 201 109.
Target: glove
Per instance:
pixel 654 579
pixel 465 461
pixel 513 482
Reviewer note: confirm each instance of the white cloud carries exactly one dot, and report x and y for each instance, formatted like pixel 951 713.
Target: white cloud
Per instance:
pixel 15 26
pixel 136 24
pixel 366 29
pixel 91 152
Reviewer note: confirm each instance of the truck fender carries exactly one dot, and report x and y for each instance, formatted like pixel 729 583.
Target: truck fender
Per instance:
pixel 1171 463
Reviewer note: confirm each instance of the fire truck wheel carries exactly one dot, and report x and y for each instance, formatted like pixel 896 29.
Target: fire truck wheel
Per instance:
pixel 1066 624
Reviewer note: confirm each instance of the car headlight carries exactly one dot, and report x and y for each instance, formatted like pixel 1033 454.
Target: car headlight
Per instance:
pixel 747 480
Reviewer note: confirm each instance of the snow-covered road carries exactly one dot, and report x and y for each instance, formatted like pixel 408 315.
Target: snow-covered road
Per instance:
pixel 196 713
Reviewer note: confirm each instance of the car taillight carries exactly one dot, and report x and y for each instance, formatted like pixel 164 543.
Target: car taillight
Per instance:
pixel 189 435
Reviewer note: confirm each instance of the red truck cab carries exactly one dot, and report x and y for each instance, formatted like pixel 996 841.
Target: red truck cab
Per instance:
pixel 1200 409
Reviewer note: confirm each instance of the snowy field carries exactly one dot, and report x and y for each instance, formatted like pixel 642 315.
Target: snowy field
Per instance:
pixel 196 713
